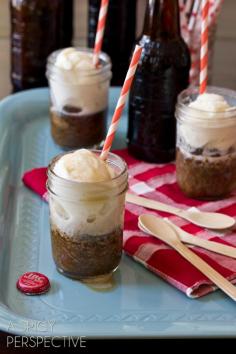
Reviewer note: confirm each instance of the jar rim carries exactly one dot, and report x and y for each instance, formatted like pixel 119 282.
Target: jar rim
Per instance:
pixel 83 72
pixel 184 98
pixel 50 170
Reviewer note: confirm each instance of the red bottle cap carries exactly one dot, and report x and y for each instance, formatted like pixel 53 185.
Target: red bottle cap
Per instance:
pixel 33 283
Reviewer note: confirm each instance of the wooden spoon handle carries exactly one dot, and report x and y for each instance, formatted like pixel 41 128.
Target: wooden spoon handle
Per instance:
pixel 207 270
pixel 151 204
pixel 208 245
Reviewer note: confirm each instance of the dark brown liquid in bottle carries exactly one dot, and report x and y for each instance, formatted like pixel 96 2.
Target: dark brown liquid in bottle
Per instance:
pixel 38 27
pixel 119 36
pixel 163 72
pixel 66 27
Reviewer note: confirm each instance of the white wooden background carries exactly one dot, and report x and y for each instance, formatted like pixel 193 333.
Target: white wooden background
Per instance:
pixel 224 73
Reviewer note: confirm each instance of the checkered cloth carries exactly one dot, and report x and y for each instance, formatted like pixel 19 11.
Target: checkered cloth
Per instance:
pixel 158 182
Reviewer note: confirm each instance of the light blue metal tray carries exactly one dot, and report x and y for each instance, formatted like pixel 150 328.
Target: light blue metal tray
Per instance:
pixel 141 304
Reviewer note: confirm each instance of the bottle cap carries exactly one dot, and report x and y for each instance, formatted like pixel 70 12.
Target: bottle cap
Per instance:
pixel 33 283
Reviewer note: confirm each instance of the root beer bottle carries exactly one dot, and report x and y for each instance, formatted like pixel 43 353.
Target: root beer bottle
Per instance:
pixel 119 36
pixel 161 75
pixel 66 27
pixel 38 27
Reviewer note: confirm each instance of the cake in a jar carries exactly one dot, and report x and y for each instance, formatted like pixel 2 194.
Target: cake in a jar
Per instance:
pixel 206 144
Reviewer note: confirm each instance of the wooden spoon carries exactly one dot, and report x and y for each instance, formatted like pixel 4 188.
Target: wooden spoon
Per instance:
pixel 197 241
pixel 168 235
pixel 215 221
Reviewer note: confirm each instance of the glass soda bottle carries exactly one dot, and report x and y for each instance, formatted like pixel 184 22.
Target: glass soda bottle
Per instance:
pixel 66 27
pixel 38 27
pixel 162 73
pixel 119 36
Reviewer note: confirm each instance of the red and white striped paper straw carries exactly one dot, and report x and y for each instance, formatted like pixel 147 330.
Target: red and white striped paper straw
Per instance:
pixel 183 18
pixel 204 47
pixel 193 15
pixel 188 5
pixel 184 9
pixel 121 102
pixel 195 65
pixel 100 30
pixel 214 10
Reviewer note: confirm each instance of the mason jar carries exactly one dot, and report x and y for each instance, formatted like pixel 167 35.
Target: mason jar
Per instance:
pixel 86 221
pixel 79 101
pixel 206 146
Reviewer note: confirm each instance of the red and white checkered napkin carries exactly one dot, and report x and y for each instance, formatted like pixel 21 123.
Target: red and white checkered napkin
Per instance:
pixel 158 182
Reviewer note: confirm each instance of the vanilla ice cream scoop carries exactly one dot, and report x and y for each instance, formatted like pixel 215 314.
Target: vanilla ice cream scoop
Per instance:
pixel 73 59
pixel 75 81
pixel 83 166
pixel 210 102
pixel 79 204
pixel 205 128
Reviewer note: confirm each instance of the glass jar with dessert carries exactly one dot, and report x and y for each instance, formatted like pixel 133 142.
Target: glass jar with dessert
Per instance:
pixel 79 97
pixel 206 143
pixel 86 201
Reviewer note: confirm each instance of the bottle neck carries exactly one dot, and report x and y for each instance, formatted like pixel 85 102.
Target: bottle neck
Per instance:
pixel 162 19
